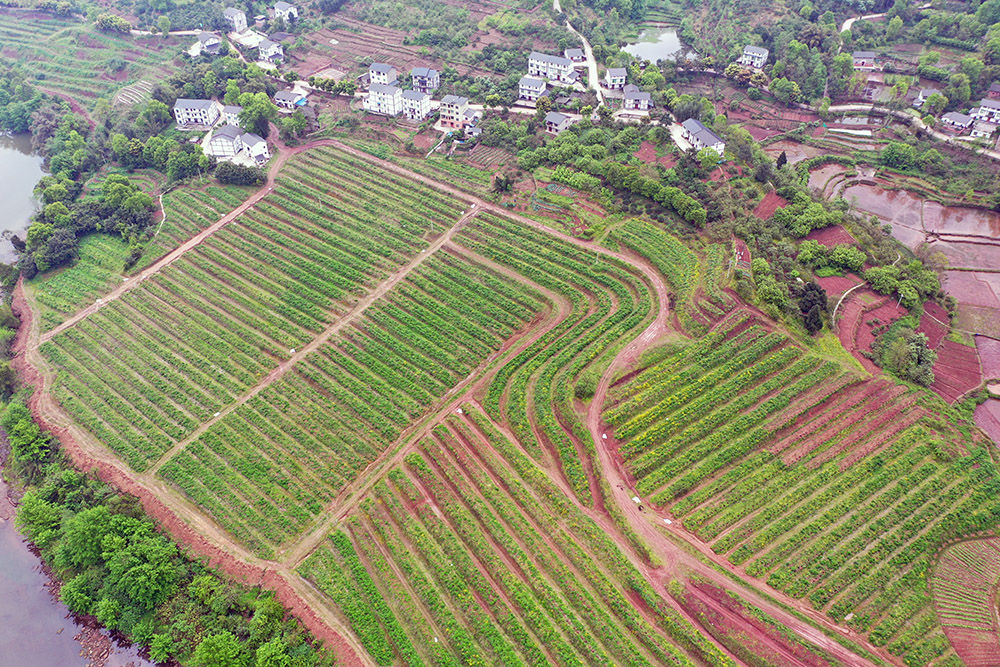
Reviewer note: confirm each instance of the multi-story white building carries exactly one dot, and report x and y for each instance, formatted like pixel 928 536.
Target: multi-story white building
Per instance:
pixel 269 51
pixel 256 148
pixel 701 137
pixel 576 55
pixel 208 44
pixel 425 79
pixel 754 56
pixel 383 74
pixel 556 122
pixel 453 111
pixel 637 100
pixel 987 111
pixel 416 104
pixel 287 99
pixel 188 112
pixel 530 88
pixel 226 142
pixel 285 10
pixel 384 100
pixel 231 114
pixel 615 78
pixel 553 68
pixel 236 18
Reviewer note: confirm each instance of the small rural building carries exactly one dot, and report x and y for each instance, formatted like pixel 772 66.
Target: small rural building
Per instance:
pixel 453 111
pixel 615 78
pixel 530 88
pixel 383 74
pixel 556 122
pixel 983 130
pixel 208 44
pixel 425 79
pixel 701 137
pixel 994 92
pixel 255 148
pixel 553 68
pixel 754 56
pixel 957 121
pixel 865 61
pixel 384 100
pixel 289 99
pixel 416 104
pixel 988 111
pixel 226 142
pixel 188 112
pixel 236 18
pixel 576 55
pixel 268 51
pixel 285 10
pixel 231 114
pixel 922 96
pixel 637 100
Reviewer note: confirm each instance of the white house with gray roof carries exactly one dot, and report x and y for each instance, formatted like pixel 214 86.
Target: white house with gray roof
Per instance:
pixel 285 10
pixel 225 143
pixel 425 79
pixel 556 122
pixel 701 137
pixel 576 55
pixel 383 74
pixel 530 88
pixel 957 121
pixel 416 104
pixel 269 51
pixel 615 78
pixel 453 108
pixel 236 18
pixel 208 44
pixel 255 148
pixel 553 68
pixel 202 113
pixel 754 56
pixel 988 111
pixel 231 114
pixel 636 100
pixel 384 100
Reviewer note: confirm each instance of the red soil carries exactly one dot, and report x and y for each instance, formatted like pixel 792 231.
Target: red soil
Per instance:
pixel 863 311
pixel 831 236
pixel 769 204
pixel 838 284
pixel 964 587
pixel 987 417
pixel 742 254
pixel 647 153
pixel 934 324
pixel 989 356
pixel 761 133
pixel 956 371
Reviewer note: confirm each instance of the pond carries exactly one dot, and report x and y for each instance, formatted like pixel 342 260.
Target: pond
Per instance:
pixel 20 170
pixel 656 44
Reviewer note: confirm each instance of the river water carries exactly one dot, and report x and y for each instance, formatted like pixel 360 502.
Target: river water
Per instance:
pixel 20 170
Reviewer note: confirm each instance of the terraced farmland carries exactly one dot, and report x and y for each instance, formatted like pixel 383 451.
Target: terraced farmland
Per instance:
pixel 965 584
pixel 832 488
pixel 70 58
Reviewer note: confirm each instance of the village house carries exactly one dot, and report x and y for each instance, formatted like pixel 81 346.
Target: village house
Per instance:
pixel 701 137
pixel 383 74
pixel 268 51
pixel 553 68
pixel 231 114
pixel 958 122
pixel 922 97
pixel 636 99
pixel 208 44
pixel 425 79
pixel 983 130
pixel 289 99
pixel 556 122
pixel 576 55
pixel 256 148
pixel 236 18
pixel 994 92
pixel 285 10
pixel 384 100
pixel 615 77
pixel 865 61
pixel 188 112
pixel 530 89
pixel 416 104
pixel 988 111
pixel 754 56
pixel 453 111
pixel 226 143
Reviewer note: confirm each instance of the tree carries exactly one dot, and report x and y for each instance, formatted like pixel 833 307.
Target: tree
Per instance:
pixel 83 534
pixel 112 23
pixel 782 160
pixel 273 654
pixel 258 112
pixel 893 28
pixel 813 320
pixel 218 650
pixel 235 174
pixel 898 155
pixel 708 158
pixel 935 104
pixel 163 23
pixel 958 90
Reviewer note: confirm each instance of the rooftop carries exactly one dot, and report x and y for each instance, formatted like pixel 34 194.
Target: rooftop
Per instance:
pixel 698 130
pixel 957 118
pixel 288 95
pixel 455 100
pixel 281 5
pixel 864 54
pixel 250 139
pixel 232 11
pixel 992 104
pixel 232 108
pixel 185 103
pixel 381 68
pixel 227 132
pixel 556 117
pixel 383 89
pixel 414 95
pixel 531 82
pixel 574 53
pixel 423 71
pixel 756 50
pixel 552 60
pixel 617 71
pixel 205 37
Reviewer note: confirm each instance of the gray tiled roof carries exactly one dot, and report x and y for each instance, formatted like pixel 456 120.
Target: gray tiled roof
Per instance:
pixel 552 60
pixel 185 103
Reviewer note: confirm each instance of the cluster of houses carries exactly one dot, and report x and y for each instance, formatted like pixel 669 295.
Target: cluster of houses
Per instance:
pixel 386 97
pixel 269 48
pixel 981 122
pixel 227 140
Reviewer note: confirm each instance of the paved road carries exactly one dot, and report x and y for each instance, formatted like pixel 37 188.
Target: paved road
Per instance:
pixel 592 80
